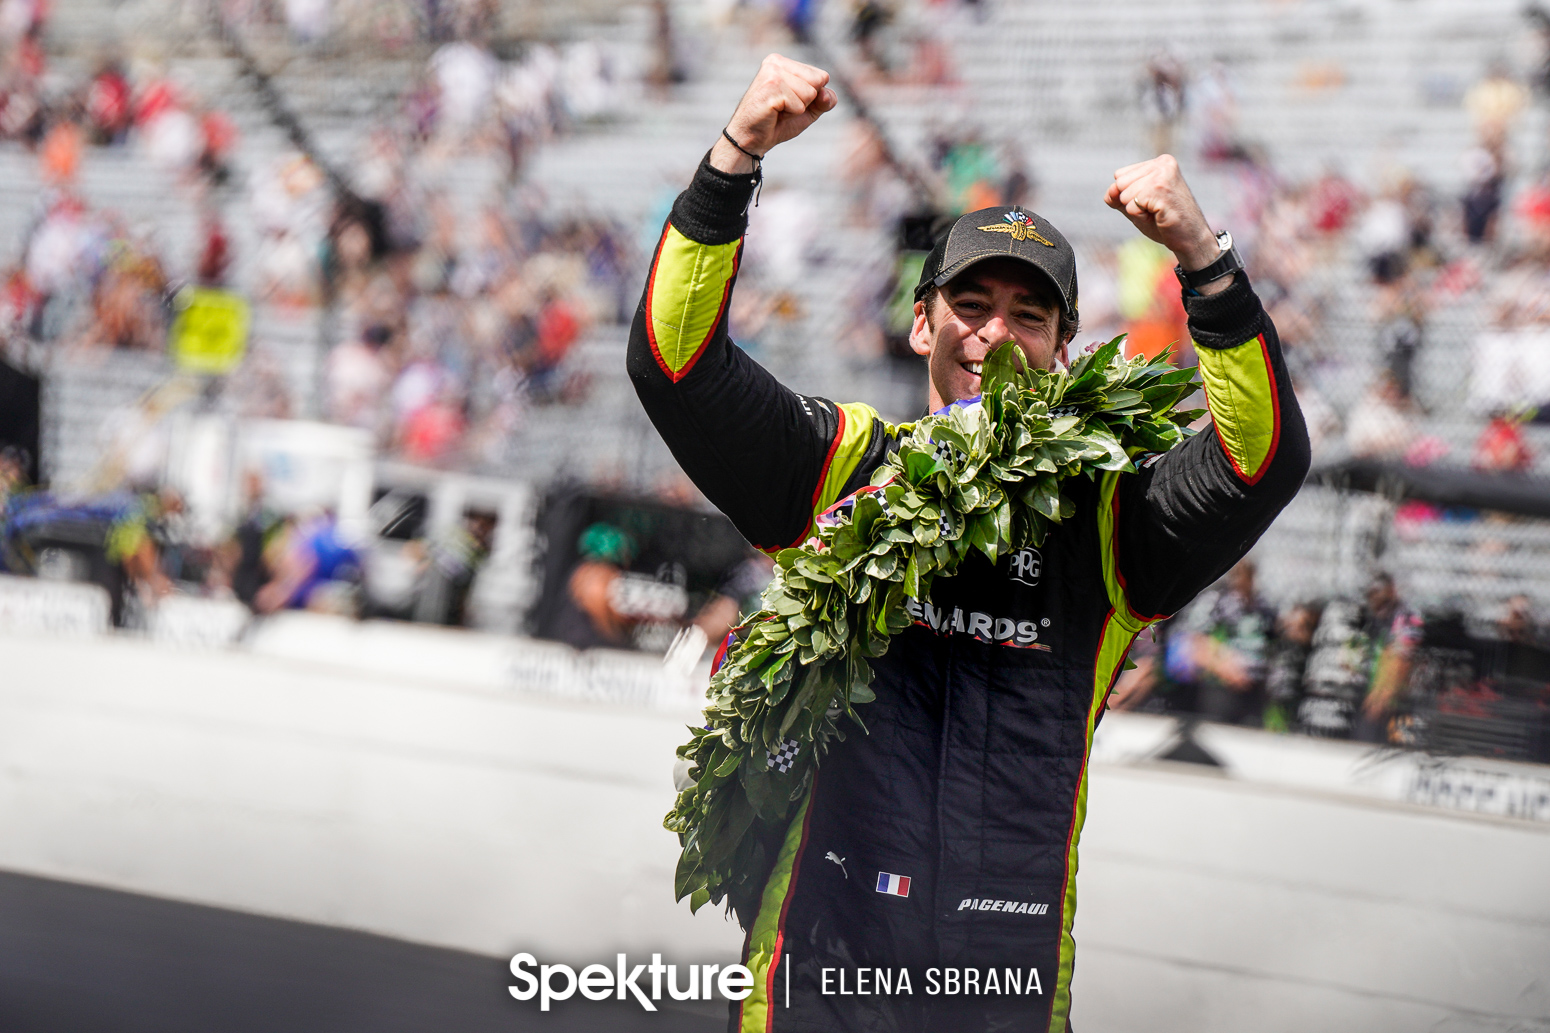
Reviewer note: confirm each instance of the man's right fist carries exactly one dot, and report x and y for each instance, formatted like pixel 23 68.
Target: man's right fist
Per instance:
pixel 785 98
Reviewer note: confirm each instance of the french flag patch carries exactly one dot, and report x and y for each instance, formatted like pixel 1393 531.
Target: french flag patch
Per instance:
pixel 898 885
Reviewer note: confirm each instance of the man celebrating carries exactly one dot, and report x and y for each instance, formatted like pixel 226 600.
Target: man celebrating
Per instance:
pixel 943 843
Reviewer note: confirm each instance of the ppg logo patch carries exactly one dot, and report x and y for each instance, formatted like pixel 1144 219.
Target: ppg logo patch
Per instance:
pixel 1026 565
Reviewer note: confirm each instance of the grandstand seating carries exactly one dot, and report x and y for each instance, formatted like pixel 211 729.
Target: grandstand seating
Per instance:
pixel 1364 86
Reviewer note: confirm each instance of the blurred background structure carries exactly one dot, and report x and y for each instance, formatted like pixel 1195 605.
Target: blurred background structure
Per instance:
pixel 313 319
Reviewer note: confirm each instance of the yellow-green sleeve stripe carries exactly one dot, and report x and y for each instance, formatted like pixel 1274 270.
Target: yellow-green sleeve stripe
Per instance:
pixel 1119 631
pixel 1241 391
pixel 686 298
pixel 856 423
pixel 769 928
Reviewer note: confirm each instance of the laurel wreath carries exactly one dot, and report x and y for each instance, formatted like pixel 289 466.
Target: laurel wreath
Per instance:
pixel 984 477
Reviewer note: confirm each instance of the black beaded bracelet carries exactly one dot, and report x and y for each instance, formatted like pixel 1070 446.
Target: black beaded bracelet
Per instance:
pixel 758 168
pixel 734 143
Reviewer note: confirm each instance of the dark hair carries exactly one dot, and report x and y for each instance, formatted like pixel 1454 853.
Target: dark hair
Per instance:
pixel 1068 328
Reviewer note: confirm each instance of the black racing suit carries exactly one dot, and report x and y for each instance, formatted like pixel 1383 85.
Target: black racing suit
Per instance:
pixel 938 854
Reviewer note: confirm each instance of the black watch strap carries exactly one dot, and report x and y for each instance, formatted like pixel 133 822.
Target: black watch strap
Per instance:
pixel 1228 263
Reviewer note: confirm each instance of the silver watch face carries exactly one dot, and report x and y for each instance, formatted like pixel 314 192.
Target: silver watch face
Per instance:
pixel 1224 241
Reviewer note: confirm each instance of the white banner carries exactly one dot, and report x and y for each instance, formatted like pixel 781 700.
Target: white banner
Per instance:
pixel 188 621
pixel 29 606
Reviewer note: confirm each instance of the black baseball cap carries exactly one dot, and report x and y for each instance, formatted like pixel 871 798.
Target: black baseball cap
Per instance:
pixel 1003 233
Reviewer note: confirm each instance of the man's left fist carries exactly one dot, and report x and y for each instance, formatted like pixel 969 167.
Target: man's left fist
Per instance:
pixel 1153 195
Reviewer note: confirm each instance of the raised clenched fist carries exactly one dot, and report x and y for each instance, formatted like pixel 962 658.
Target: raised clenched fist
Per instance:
pixel 1153 195
pixel 784 98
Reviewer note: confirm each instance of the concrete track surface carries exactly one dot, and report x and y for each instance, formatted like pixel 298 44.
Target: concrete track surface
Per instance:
pixel 77 959
pixel 428 829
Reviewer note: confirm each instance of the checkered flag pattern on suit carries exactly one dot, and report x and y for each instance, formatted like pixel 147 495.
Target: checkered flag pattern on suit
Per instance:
pixel 784 756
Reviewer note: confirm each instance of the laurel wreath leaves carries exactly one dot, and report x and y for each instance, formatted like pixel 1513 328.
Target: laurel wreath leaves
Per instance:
pixel 985 477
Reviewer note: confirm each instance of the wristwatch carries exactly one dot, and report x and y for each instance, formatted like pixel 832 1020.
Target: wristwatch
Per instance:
pixel 1229 262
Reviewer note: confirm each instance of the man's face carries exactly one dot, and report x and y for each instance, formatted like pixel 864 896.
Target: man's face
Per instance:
pixel 1381 595
pixel 995 301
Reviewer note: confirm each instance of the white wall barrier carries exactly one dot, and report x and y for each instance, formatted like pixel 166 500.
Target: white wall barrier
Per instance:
pixel 199 623
pixel 454 657
pixel 30 606
pixel 424 791
pixel 1475 784
pixel 439 812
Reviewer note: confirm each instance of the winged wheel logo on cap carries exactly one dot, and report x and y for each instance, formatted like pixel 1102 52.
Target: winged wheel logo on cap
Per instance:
pixel 1019 226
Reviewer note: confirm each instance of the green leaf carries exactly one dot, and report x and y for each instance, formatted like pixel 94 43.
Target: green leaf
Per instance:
pixel 1003 366
pixel 1122 398
pixel 918 466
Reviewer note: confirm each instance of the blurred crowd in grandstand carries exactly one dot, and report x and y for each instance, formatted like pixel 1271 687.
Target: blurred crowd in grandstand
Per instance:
pixel 1370 668
pixel 448 332
pixel 454 318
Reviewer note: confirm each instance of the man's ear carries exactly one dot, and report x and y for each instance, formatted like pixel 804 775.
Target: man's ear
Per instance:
pixel 920 331
pixel 1063 354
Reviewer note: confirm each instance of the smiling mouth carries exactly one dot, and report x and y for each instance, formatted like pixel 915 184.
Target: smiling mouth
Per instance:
pixel 975 368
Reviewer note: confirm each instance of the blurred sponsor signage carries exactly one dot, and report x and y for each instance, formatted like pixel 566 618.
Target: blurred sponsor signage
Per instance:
pixel 186 621
pixel 647 562
pixel 646 598
pixel 210 331
pixel 29 606
pixel 1460 785
pixel 599 676
pixel 497 663
pixel 1477 785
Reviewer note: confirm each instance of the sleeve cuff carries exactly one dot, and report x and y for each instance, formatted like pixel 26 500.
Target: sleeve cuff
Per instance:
pixel 714 210
pixel 1227 319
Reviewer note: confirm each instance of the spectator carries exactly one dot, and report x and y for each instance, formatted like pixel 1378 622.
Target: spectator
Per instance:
pixel 1518 662
pixel 867 23
pixel 1379 425
pixel 109 103
pixel 13 473
pixel 737 594
pixel 465 79
pixel 1359 664
pixel 664 71
pixel 1384 238
pixel 308 20
pixel 180 557
pixel 452 562
pixel 433 431
pixel 589 618
pixel 1136 688
pixel 1485 176
pixel 1495 102
pixel 314 569
pixel 217 140
pixel 1226 636
pixel 1287 665
pixel 1149 302
pixel 1502 447
pixel 244 560
pixel 357 377
pixel 60 156
pixel 1518 623
pixel 1162 99
pixel 215 254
